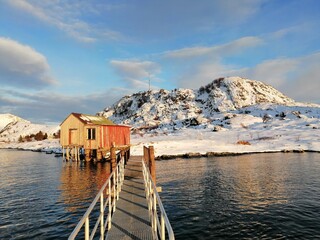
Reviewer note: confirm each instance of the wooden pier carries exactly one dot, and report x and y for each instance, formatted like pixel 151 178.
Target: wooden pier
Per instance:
pixel 130 206
pixel 131 219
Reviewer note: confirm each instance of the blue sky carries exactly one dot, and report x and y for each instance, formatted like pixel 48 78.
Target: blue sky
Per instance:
pixel 58 57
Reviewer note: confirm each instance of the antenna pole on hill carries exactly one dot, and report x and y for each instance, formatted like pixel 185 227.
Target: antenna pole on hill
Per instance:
pixel 149 81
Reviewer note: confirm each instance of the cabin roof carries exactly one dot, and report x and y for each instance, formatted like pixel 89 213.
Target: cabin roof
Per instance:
pixel 91 119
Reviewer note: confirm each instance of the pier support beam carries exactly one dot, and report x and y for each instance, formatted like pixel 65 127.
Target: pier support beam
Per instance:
pixel 113 157
pixel 152 164
pixel 87 154
pixel 148 156
pixel 67 154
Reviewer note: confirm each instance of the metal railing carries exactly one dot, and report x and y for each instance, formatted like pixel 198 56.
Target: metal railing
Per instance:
pixel 161 226
pixel 107 197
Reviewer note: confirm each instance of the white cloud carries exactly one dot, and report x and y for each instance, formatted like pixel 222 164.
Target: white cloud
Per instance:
pixel 274 72
pixel 20 65
pixel 296 77
pixel 203 74
pixel 135 73
pixel 148 19
pixel 305 85
pixel 199 65
pixel 44 106
pixel 66 16
pixel 215 51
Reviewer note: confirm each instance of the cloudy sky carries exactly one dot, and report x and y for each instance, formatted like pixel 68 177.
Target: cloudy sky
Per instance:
pixel 58 57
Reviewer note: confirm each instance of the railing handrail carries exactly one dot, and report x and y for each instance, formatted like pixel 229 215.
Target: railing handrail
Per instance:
pixel 119 171
pixel 148 180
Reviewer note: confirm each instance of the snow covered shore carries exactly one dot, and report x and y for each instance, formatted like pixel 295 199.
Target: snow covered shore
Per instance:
pixel 206 142
pixel 228 116
pixel 277 135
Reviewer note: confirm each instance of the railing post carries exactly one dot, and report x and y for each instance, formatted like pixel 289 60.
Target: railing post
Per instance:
pixel 110 206
pixel 122 172
pixel 86 231
pixel 117 182
pixel 163 233
pixel 102 216
pixel 114 193
pixel 154 219
pixel 150 195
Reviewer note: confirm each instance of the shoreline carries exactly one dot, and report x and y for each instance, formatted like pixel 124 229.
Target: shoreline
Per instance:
pixel 190 154
pixel 226 154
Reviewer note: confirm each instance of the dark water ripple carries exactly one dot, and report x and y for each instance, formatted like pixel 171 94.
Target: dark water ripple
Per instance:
pixel 261 196
pixel 42 197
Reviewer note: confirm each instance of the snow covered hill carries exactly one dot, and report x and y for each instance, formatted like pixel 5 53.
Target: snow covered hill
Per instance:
pixel 185 107
pixel 7 118
pixel 233 115
pixel 12 127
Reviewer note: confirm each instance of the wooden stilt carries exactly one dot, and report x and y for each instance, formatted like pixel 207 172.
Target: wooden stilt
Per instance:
pixel 113 157
pixel 76 151
pixel 152 164
pixel 67 154
pixel 87 153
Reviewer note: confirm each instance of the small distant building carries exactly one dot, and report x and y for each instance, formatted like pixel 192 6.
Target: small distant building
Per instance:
pixel 91 136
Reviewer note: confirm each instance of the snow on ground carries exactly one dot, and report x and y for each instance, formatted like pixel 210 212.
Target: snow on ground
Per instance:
pixel 45 145
pixel 295 127
pixel 275 135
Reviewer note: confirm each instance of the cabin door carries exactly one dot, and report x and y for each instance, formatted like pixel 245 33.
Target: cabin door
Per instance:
pixel 73 133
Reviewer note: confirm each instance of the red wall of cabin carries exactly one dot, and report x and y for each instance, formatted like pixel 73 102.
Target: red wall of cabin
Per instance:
pixel 118 134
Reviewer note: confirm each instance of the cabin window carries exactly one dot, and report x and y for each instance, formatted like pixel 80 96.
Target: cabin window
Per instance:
pixel 91 133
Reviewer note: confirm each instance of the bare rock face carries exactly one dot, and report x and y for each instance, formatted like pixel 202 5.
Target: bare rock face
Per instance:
pixel 190 108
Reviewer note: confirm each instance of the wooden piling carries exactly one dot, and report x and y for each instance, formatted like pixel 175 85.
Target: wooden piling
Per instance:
pixel 87 153
pixel 113 156
pixel 99 155
pixel 152 164
pixel 67 154
pixel 76 153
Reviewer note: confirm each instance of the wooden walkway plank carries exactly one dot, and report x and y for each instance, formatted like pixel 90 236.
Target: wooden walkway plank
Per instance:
pixel 131 218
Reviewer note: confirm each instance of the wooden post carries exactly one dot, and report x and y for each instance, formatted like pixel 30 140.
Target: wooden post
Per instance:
pixel 127 155
pixel 76 153
pixel 152 164
pixel 63 155
pixel 67 154
pixel 146 155
pixel 72 153
pixel 113 156
pixel 103 154
pixel 87 153
pixel 99 154
pixel 122 153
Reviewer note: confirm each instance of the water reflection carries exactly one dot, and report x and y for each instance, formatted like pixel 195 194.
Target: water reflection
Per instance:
pixel 254 184
pixel 263 196
pixel 79 181
pixel 43 197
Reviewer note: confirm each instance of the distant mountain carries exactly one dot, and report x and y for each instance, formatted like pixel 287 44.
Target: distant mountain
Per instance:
pixel 12 127
pixel 185 107
pixel 7 118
